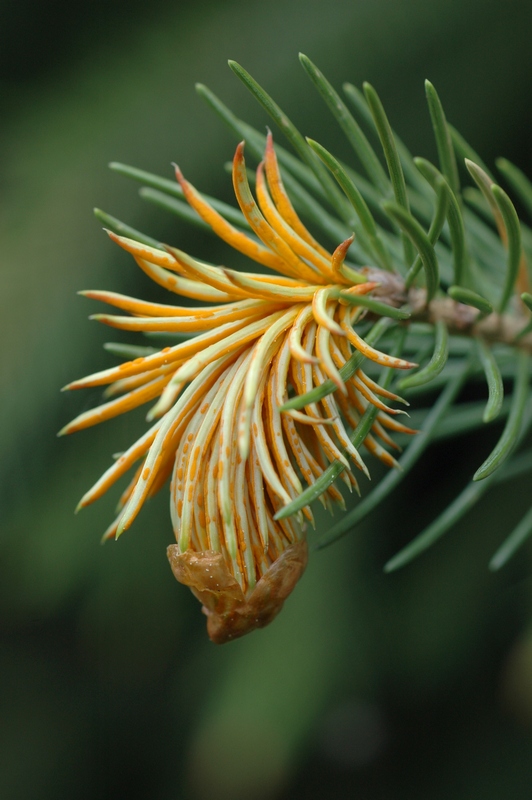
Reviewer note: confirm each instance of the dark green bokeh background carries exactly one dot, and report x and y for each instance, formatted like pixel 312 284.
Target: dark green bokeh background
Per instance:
pixel 410 686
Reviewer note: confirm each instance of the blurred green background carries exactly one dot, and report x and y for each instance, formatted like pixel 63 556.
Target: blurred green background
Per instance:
pixel 377 687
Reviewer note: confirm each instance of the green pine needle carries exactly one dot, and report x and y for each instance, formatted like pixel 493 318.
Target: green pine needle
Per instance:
pixel 512 429
pixel 470 298
pixel 436 363
pixel 357 201
pixel 392 159
pixel 443 138
pixel 518 181
pixel 174 206
pixel 382 309
pixel 421 241
pixel 164 188
pixel 494 381
pixel 526 297
pixel 454 218
pixel 357 139
pixel 123 229
pixel 442 190
pixel 295 138
pixel 513 235
pixel 464 150
pixel 515 540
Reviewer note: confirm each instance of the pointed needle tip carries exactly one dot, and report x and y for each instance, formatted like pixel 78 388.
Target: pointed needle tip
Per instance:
pixel 153 413
pixel 73 385
pixel 396 562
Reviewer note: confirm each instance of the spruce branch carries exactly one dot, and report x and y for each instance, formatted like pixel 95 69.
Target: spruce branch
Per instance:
pixel 429 262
